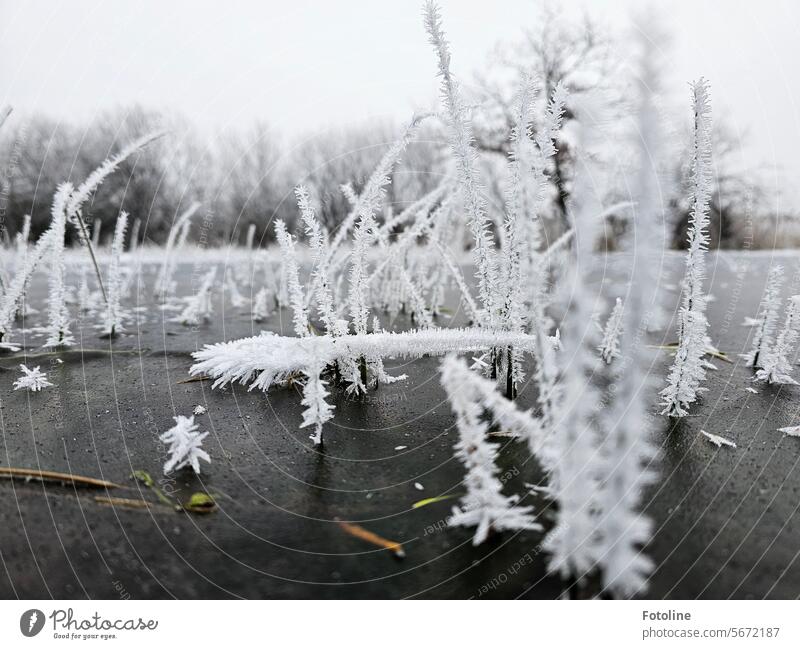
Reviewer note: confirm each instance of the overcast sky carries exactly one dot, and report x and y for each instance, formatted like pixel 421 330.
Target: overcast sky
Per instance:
pixel 305 65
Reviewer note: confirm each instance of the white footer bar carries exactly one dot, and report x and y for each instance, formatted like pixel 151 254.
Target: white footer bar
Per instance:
pixel 401 624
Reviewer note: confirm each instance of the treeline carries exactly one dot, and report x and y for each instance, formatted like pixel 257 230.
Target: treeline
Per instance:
pixel 240 178
pixel 248 176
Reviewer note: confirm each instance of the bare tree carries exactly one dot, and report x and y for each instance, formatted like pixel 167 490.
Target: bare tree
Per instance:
pixel 251 183
pixel 577 53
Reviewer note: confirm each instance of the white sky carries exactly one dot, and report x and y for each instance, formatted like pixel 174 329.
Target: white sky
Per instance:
pixel 306 65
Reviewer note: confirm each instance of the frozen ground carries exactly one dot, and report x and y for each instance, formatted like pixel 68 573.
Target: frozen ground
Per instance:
pixel 727 522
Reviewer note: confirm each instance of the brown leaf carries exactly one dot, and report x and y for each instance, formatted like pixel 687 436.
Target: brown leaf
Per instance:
pixel 370 537
pixel 123 502
pixel 55 476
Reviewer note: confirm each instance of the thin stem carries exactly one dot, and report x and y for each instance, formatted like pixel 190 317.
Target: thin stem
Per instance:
pixel 511 390
pixel 88 242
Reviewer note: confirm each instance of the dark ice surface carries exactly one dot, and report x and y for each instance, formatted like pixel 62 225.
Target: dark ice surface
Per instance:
pixel 726 520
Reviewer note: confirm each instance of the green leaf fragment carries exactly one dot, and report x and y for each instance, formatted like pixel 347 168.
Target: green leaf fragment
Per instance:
pixel 200 503
pixel 431 501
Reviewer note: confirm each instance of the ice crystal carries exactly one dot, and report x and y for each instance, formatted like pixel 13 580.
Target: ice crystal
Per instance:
pixel 184 442
pixel 718 440
pixel 793 431
pixel 609 345
pixel 33 380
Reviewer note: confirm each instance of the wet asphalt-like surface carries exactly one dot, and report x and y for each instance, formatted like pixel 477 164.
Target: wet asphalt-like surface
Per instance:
pixel 726 520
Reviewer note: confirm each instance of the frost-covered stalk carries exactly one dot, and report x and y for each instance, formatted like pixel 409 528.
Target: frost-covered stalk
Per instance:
pixel 688 371
pixel 21 242
pixel 282 294
pixel 134 243
pixel 364 233
pixel 518 207
pixel 237 299
pixel 518 203
pixel 291 272
pixel 261 305
pixel 417 210
pixel 109 166
pixel 546 370
pixel 549 393
pixel 352 198
pixel 358 296
pixel 473 313
pixel 113 320
pixel 767 318
pixel 270 272
pixel 183 235
pixel 521 424
pixel 94 180
pixel 467 166
pixel 375 363
pixel 249 268
pixel 527 168
pixel 58 333
pixel 320 286
pixel 261 361
pixel 574 446
pixel 317 411
pixel 775 364
pixel 609 345
pixel 15 292
pixel 372 195
pixel 164 284
pixel 399 284
pixel 85 301
pixel 21 249
pixel 484 506
pixel 97 226
pixel 251 236
pixel 185 445
pixel 626 451
pixel 5 112
pixel 198 307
